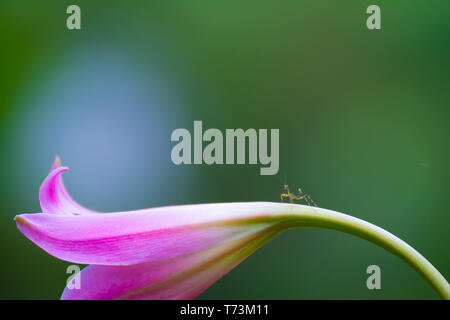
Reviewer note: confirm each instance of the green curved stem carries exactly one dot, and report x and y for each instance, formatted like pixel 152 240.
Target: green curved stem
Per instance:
pixel 305 216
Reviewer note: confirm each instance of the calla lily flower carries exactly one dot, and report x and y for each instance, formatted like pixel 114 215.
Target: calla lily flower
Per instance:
pixel 177 252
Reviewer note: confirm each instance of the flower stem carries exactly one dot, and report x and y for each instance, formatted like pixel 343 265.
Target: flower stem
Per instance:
pixel 306 216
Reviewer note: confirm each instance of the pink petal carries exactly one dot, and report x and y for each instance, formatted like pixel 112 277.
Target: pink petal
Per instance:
pixel 145 235
pixel 184 277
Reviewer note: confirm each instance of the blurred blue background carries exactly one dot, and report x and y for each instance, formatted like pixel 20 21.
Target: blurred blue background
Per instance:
pixel 363 118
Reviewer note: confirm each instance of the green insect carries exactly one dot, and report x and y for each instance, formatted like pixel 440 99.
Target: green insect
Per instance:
pixel 300 196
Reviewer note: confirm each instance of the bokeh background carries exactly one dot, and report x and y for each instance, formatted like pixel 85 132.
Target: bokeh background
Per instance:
pixel 363 118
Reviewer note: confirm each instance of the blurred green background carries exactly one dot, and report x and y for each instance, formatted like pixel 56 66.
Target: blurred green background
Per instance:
pixel 363 118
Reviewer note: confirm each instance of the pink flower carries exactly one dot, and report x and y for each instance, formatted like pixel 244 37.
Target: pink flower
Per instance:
pixel 174 252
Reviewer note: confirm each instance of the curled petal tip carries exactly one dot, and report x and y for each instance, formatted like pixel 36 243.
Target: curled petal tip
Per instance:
pixel 54 197
pixel 50 192
pixel 56 163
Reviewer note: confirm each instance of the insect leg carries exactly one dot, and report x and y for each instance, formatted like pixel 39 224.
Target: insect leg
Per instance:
pixel 310 201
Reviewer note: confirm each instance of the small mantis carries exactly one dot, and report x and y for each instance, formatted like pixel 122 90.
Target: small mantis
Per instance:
pixel 300 196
